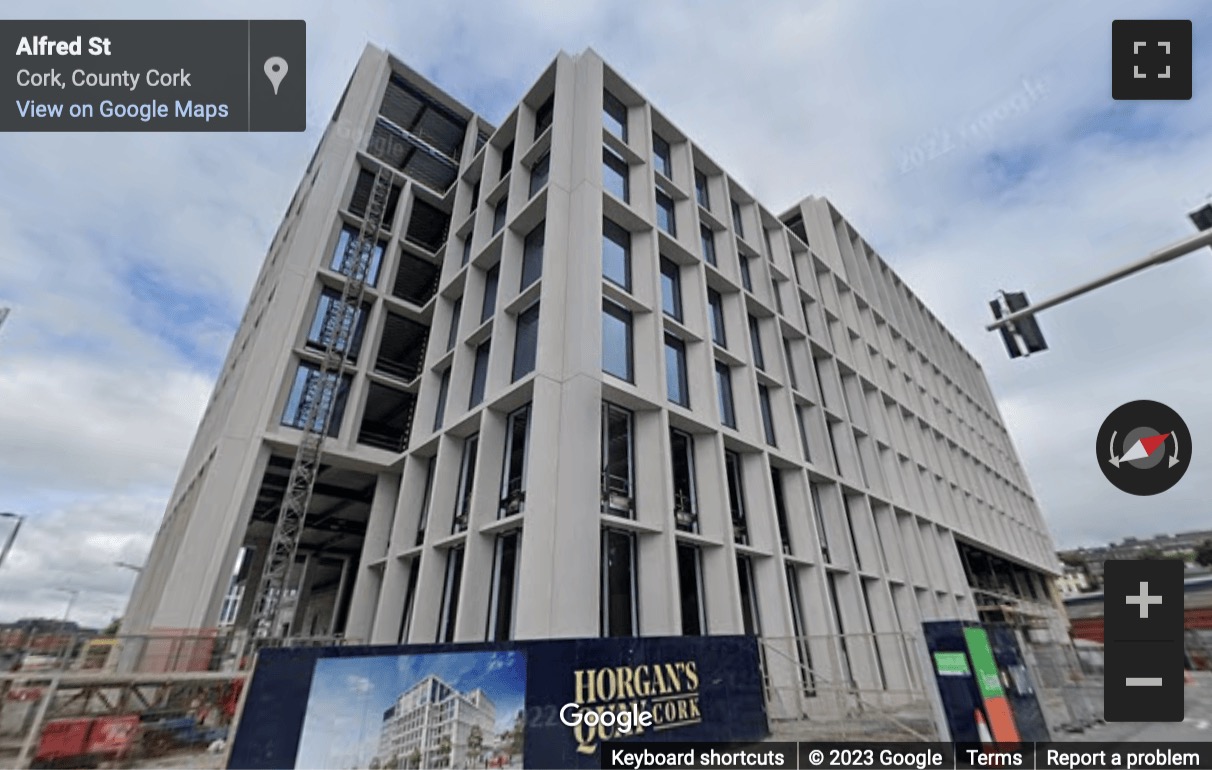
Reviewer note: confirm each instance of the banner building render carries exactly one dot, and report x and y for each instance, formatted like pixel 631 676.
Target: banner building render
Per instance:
pixel 596 389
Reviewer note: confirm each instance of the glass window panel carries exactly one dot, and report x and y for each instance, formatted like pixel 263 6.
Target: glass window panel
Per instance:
pixel 767 417
pixel 685 498
pixel 341 253
pixel 616 341
pixel 614 115
pixel 690 589
pixel 700 189
pixel 526 342
pixel 675 371
pixel 504 582
pixel 616 254
pixel 661 157
pixel 665 218
pixel 532 254
pixel 489 305
pixel 617 474
pixel 618 583
pixel 440 409
pixel 539 173
pixel 671 289
pixel 616 176
pixel 723 381
pixel 479 376
pixel 707 241
pixel 452 336
pixel 513 475
pixel 715 305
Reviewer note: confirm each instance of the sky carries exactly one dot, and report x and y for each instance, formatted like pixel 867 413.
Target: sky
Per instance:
pixel 975 146
pixel 349 696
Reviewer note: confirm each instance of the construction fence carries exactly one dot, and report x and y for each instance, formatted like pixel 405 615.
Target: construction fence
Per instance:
pixel 147 700
pixel 879 687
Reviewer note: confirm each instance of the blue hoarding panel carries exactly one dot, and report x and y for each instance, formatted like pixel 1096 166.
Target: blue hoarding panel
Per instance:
pixel 497 705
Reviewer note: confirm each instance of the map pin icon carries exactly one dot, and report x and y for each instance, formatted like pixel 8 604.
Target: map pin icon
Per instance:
pixel 275 70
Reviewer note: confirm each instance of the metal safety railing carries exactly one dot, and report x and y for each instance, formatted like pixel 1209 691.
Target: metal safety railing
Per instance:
pixel 866 686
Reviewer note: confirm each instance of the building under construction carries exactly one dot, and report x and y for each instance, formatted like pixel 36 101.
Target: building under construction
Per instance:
pixel 565 377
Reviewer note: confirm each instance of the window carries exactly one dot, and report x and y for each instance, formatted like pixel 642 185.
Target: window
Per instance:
pixel 467 477
pixel 736 496
pixel 617 467
pixel 746 277
pixel 776 288
pixel 440 410
pixel 539 173
pixel 800 628
pixel 822 534
pixel 307 378
pixel 715 307
pixel 452 336
pixel 671 289
pixel 450 595
pixel 479 376
pixel 616 254
pixel 425 499
pixel 506 160
pixel 707 239
pixel 504 585
pixel 790 364
pixel 854 549
pixel 467 246
pixel 513 476
pixel 780 509
pixel 690 587
pixel 767 417
pixel 489 305
pixel 616 175
pixel 675 371
pixel 755 340
pixel 498 215
pixel 619 616
pixel 323 331
pixel 526 342
pixel 543 116
pixel 723 381
pixel 475 197
pixel 660 157
pixel 665 219
pixel 685 498
pixel 532 254
pixel 700 189
pixel 341 254
pixel 616 341
pixel 799 419
pixel 414 570
pixel 737 223
pixel 750 618
pixel 614 115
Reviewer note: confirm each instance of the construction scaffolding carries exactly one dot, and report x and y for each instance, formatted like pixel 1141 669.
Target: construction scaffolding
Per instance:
pixel 318 402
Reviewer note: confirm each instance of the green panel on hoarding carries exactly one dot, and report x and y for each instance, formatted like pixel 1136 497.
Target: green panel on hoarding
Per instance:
pixel 987 679
pixel 951 663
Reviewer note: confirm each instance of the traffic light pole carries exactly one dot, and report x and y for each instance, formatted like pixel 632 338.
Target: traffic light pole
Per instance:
pixel 1173 251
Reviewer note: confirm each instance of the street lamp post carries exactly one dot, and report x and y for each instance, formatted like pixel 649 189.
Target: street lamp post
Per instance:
pixel 12 536
pixel 71 600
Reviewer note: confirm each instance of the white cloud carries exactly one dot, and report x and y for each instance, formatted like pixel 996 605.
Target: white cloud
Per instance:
pixel 101 386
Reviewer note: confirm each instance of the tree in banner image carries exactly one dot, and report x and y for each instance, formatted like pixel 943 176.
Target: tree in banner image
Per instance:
pixel 475 746
pixel 444 748
pixel 414 759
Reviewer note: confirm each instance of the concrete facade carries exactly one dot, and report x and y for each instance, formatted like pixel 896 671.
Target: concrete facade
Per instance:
pixel 861 445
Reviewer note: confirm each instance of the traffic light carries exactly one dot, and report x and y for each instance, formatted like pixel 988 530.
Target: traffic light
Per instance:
pixel 1022 337
pixel 1202 217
